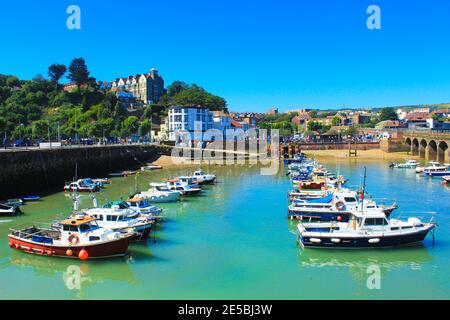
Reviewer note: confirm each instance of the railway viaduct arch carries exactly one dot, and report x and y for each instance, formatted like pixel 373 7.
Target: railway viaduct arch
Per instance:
pixel 429 145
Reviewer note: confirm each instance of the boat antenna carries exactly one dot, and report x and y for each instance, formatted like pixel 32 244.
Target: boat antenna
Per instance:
pixel 75 190
pixel 363 193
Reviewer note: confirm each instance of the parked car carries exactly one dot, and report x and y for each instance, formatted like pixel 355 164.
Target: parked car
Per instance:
pixel 21 143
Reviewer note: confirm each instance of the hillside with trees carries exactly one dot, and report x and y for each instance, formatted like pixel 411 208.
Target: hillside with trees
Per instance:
pixel 34 109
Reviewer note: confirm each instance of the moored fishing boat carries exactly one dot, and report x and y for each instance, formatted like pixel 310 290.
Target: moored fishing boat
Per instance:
pixel 81 186
pixel 78 237
pixel 9 209
pixel 446 179
pixel 159 193
pixel 118 216
pixel 185 189
pixel 434 166
pixel 335 206
pixel 409 164
pixel 363 230
pixel 144 207
pixel 202 178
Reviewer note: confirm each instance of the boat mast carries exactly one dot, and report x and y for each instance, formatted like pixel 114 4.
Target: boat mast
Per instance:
pixel 75 193
pixel 363 194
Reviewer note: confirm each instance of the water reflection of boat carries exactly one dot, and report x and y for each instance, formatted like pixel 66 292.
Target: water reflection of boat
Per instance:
pixel 408 257
pixel 77 276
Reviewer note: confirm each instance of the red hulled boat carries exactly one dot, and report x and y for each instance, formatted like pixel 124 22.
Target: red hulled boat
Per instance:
pixel 80 237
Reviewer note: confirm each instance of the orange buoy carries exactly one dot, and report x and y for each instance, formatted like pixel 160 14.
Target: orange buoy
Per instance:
pixel 69 253
pixel 83 255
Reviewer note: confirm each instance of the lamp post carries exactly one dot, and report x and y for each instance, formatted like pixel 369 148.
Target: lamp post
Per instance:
pixel 48 132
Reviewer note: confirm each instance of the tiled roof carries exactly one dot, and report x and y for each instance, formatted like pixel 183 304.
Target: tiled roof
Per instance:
pixel 418 116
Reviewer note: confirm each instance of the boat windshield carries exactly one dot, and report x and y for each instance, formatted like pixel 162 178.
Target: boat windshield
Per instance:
pixel 375 222
pixel 88 227
pixel 116 205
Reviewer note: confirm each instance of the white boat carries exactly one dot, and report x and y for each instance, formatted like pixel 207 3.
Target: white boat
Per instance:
pixel 202 178
pixel 184 187
pixel 144 207
pixel 82 186
pixel 436 170
pixel 336 206
pixel 433 166
pixel 8 209
pixel 363 230
pixel 446 179
pixel 118 216
pixel 151 168
pixel 409 164
pixel 159 193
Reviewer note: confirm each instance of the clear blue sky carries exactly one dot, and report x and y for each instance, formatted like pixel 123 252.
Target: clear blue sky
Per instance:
pixel 256 54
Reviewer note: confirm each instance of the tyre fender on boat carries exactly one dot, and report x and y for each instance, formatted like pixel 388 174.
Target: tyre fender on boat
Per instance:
pixel 340 205
pixel 73 239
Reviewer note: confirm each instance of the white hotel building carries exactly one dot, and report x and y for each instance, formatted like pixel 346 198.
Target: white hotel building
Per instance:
pixel 185 118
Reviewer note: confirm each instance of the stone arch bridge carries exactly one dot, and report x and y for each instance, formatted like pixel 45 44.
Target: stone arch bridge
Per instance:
pixel 429 145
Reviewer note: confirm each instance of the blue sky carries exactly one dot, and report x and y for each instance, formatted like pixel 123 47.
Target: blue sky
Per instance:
pixel 257 54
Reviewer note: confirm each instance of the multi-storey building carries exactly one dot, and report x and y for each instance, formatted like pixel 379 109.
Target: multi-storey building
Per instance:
pixel 148 88
pixel 189 119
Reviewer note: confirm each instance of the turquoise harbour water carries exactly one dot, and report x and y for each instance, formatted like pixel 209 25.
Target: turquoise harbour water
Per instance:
pixel 235 242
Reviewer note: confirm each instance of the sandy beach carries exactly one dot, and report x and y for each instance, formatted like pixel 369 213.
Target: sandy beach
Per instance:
pixel 375 154
pixel 369 155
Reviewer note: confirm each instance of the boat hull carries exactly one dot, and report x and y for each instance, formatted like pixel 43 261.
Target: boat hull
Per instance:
pixel 206 182
pixel 142 233
pixel 167 199
pixel 319 217
pixel 192 192
pixel 109 249
pixel 387 241
pixel 437 174
pixel 327 216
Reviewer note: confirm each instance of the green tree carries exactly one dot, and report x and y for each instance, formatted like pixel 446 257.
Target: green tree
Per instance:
pixel 388 114
pixel 12 81
pixel 352 131
pixel 176 87
pixel 40 129
pixel 336 121
pixel 78 72
pixel 56 72
pixel 144 128
pixel 130 126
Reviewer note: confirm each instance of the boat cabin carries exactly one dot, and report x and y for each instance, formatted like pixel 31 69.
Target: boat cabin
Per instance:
pixel 117 205
pixel 79 225
pixel 189 181
pixel 175 185
pixel 139 203
pixel 373 221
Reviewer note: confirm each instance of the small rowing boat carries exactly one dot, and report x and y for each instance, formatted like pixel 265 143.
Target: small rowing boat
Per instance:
pixel 151 168
pixel 31 198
